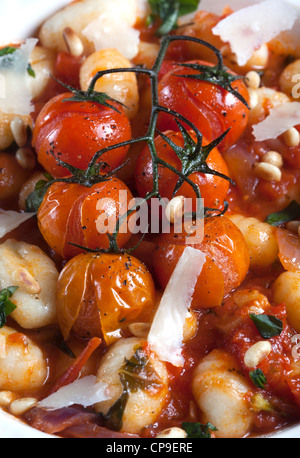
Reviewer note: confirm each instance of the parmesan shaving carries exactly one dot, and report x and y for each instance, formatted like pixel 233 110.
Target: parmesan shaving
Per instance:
pixel 247 29
pixel 10 220
pixel 111 31
pixel 15 89
pixel 85 392
pixel 166 332
pixel 280 119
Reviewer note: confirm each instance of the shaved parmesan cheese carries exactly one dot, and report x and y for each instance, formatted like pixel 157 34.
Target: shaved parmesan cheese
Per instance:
pixel 166 333
pixel 85 391
pixel 15 89
pixel 280 119
pixel 111 31
pixel 10 220
pixel 247 29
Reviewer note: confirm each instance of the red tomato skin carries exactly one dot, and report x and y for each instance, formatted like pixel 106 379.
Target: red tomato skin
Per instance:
pixel 209 107
pixel 213 189
pixel 75 131
pixel 69 214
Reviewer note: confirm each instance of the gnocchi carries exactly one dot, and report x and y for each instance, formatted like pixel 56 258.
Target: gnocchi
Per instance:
pixel 261 240
pixel 144 404
pixel 286 289
pixel 29 268
pixel 120 86
pixel 23 366
pixel 221 394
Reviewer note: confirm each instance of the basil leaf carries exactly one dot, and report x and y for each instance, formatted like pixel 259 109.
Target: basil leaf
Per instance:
pixel 30 71
pixel 198 430
pixel 6 51
pixel 258 378
pixel 168 11
pixel 6 306
pixel 36 197
pixel 290 213
pixel 267 325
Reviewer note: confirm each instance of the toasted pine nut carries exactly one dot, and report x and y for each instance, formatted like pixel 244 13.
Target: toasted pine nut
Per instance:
pixel 293 226
pixel 292 137
pixel 268 172
pixel 20 406
pixel 274 158
pixel 253 80
pixel 26 158
pixel 174 209
pixel 19 131
pixel 139 329
pixel 172 433
pixel 257 353
pixel 6 398
pixel 26 280
pixel 73 42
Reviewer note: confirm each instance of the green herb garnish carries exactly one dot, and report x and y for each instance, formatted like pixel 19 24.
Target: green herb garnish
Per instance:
pixel 258 378
pixel 6 306
pixel 34 200
pixel 168 12
pixel 198 430
pixel 267 325
pixel 290 213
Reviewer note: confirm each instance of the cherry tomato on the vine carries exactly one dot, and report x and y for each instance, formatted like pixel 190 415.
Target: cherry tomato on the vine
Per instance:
pixel 101 294
pixel 213 189
pixel 71 213
pixel 211 108
pixel 227 259
pixel 75 131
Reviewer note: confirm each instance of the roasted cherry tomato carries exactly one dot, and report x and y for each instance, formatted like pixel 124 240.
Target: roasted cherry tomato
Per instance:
pixel 12 177
pixel 73 213
pixel 99 295
pixel 227 260
pixel 75 131
pixel 213 189
pixel 209 107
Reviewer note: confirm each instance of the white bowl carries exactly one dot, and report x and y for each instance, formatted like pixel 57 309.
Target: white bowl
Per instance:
pixel 19 20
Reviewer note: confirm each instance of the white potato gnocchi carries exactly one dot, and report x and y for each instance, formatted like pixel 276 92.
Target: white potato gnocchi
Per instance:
pixel 143 405
pixel 42 61
pixel 221 394
pixel 121 86
pixel 78 15
pixel 34 273
pixel 261 240
pixel 286 289
pixel 22 364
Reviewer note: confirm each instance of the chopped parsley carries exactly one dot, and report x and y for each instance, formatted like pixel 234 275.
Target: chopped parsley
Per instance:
pixel 6 306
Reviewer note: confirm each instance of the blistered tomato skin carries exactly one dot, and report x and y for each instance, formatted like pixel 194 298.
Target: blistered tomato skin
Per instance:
pixel 99 295
pixel 74 214
pixel 227 260
pixel 75 131
pixel 209 107
pixel 213 189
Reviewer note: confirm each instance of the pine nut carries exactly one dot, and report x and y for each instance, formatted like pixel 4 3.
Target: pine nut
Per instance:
pixel 267 171
pixel 73 42
pixel 257 353
pixel 139 329
pixel 293 226
pixel 24 278
pixel 172 433
pixel 19 131
pixel 292 137
pixel 26 158
pixel 6 398
pixel 274 158
pixel 174 209
pixel 252 80
pixel 20 406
